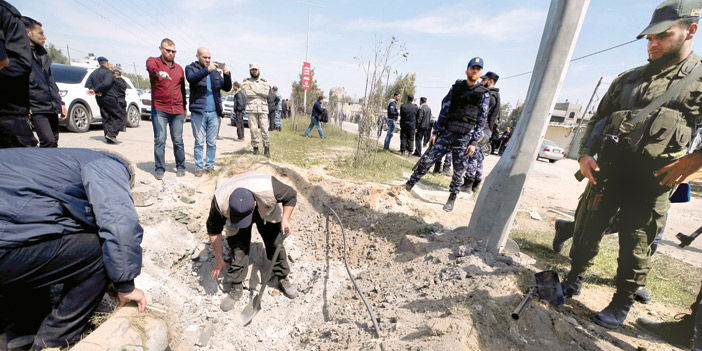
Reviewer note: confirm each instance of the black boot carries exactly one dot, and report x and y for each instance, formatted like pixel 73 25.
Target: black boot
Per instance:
pixel 449 203
pixel 408 186
pixel 677 333
pixel 615 313
pixel 564 231
pixel 467 186
pixel 641 295
pixel 255 151
pixel 267 152
pixel 437 167
pixel 572 285
pixel 476 185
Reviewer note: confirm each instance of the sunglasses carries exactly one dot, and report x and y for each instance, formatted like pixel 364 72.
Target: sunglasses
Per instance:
pixel 169 50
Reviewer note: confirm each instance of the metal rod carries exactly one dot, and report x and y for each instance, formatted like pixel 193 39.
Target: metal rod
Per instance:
pixel 348 270
pixel 523 304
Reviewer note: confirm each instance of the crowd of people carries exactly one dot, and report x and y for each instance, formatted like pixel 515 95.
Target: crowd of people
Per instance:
pixel 59 222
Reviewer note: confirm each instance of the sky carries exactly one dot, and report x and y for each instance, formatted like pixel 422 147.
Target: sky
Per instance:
pixel 440 37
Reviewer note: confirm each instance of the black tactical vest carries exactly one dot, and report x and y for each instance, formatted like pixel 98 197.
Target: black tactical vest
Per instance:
pixel 465 106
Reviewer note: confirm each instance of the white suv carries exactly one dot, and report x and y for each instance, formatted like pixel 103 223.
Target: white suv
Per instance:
pixel 82 108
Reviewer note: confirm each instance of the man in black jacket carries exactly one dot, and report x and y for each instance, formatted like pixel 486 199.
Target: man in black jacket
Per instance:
pixel 100 84
pixel 15 66
pixel 120 89
pixel 44 100
pixel 408 124
pixel 239 110
pixel 423 126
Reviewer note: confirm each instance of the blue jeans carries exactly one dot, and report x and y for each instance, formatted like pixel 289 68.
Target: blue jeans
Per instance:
pixel 159 119
pixel 315 122
pixel 391 129
pixel 202 124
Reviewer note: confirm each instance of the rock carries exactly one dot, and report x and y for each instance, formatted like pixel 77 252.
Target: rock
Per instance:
pixel 464 250
pixel 439 326
pixel 187 199
pixel 144 195
pixel 206 334
pixel 571 320
pixel 194 226
pixel 411 244
pixel 452 273
pixel 505 259
pixel 535 215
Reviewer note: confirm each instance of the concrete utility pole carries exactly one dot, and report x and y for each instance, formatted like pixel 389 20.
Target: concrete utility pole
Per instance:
pixel 68 53
pixel 582 119
pixel 307 49
pixel 136 75
pixel 498 201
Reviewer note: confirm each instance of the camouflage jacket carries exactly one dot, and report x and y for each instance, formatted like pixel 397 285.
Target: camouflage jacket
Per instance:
pixel 256 91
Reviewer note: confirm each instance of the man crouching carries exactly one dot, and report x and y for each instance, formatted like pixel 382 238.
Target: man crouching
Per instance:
pixel 243 200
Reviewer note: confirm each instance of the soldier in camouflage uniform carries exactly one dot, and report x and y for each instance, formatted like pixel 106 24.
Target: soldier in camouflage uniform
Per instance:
pixel 458 128
pixel 256 90
pixel 474 169
pixel 636 175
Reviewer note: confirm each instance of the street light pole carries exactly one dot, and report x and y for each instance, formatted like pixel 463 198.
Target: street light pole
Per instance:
pixel 307 49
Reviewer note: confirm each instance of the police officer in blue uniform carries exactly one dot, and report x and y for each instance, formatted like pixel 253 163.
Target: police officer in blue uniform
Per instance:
pixel 458 128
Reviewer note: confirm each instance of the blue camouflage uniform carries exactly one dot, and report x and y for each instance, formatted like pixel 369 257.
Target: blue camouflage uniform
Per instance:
pixel 455 142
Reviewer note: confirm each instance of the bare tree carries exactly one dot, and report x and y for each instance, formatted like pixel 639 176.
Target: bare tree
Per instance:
pixel 376 66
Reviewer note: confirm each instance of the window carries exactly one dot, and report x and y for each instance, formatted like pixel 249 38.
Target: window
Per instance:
pixel 571 115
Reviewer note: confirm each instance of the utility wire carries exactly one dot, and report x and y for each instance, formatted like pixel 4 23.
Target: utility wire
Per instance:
pixel 109 20
pixel 130 20
pixel 530 72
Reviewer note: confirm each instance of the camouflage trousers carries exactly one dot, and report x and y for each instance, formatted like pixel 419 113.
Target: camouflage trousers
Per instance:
pixel 474 170
pixel 642 203
pixel 259 121
pixel 455 145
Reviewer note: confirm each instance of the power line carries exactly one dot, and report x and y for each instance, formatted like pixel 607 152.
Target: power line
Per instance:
pixel 128 19
pixel 109 20
pixel 155 18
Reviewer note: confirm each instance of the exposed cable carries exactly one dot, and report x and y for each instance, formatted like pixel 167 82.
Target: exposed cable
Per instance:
pixel 348 270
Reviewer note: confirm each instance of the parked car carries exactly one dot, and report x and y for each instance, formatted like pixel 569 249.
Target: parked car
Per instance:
pixel 550 151
pixel 397 126
pixel 145 105
pixel 82 108
pixel 228 105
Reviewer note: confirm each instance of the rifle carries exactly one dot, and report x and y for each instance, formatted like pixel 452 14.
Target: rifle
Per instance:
pixel 414 168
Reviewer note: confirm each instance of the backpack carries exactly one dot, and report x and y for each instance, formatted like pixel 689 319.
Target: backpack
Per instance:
pixel 324 117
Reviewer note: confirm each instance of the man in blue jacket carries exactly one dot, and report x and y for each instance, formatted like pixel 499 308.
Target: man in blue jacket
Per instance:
pixel 393 113
pixel 206 106
pixel 45 102
pixel 71 221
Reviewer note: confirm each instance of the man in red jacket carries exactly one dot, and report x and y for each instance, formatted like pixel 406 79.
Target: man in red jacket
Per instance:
pixel 167 106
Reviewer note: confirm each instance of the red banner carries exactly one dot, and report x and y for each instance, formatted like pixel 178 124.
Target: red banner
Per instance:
pixel 306 75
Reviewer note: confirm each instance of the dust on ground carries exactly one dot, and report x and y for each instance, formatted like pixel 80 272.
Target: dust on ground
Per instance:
pixel 430 283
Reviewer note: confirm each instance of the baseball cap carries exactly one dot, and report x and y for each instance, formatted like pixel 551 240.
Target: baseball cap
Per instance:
pixel 274 88
pixel 668 13
pixel 236 83
pixel 491 75
pixel 102 59
pixel 241 207
pixel 253 65
pixel 475 61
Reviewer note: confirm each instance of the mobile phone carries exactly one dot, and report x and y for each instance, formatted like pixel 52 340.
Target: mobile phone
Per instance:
pixel 220 65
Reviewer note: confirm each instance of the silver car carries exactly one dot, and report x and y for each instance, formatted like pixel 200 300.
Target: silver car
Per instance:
pixel 550 151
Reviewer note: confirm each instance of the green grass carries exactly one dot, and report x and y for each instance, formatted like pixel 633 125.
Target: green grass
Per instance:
pixel 336 154
pixel 670 281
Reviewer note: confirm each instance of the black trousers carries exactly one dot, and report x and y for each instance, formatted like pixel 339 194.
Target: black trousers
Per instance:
pixel 74 260
pixel 421 138
pixel 406 137
pixel 240 244
pixel 113 117
pixel 240 125
pixel 21 130
pixel 47 127
pixel 271 120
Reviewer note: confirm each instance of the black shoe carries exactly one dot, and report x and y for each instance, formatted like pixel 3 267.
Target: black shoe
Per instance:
pixel 286 287
pixel 21 343
pixel 267 152
pixel 234 295
pixel 158 175
pixel 408 186
pixel 572 287
pixel 437 168
pixel 564 231
pixel 450 202
pixel 615 313
pixel 476 185
pixel 180 173
pixel 642 296
pixel 467 186
pixel 255 152
pixel 111 140
pixel 677 333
